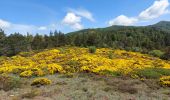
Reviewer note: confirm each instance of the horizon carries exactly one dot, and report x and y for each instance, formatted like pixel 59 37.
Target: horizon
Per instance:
pixel 35 16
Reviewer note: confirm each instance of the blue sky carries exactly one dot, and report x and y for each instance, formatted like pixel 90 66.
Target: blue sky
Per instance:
pixel 70 15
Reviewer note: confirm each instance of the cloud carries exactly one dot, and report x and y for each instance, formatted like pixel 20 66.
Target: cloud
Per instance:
pixel 42 28
pixel 10 27
pixel 72 20
pixel 4 24
pixel 83 13
pixel 159 7
pixel 123 20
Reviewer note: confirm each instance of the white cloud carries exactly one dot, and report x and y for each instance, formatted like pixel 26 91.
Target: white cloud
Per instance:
pixel 9 28
pixel 83 13
pixel 71 18
pixel 73 21
pixel 159 7
pixel 42 28
pixel 123 20
pixel 4 24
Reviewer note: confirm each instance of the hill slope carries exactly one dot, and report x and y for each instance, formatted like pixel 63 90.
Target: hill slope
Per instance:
pixel 125 37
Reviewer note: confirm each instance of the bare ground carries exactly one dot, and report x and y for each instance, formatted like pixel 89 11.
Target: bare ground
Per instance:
pixel 86 86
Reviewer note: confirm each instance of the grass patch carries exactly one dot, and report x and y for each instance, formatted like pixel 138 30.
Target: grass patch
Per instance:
pixel 111 73
pixel 92 49
pixel 33 93
pixel 153 73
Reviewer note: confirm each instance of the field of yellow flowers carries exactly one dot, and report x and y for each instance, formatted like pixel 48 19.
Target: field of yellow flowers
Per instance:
pixel 76 59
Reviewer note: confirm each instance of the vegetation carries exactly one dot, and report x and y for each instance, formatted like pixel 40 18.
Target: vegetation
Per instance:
pixel 75 59
pixel 41 81
pixel 92 49
pixel 9 82
pixel 165 81
pixel 153 72
pixel 156 53
pixel 140 39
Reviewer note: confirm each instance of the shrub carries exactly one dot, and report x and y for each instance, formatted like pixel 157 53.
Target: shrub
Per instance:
pixel 110 55
pixel 73 66
pixel 153 72
pixel 165 81
pixel 54 68
pixel 9 82
pixel 41 81
pixel 166 56
pixel 136 49
pixel 156 53
pixel 38 72
pixel 92 49
pixel 28 73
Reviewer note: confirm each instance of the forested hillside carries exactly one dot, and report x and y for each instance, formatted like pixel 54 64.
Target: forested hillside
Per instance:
pixel 141 39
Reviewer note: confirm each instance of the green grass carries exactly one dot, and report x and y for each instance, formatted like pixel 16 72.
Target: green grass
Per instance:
pixel 153 73
pixel 111 73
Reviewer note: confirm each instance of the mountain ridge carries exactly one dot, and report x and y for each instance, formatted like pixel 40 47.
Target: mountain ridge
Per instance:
pixel 162 25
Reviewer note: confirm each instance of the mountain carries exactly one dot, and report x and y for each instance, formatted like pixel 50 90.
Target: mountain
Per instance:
pixel 155 36
pixel 163 25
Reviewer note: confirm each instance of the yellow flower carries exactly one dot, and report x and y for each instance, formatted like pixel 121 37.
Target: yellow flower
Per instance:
pixel 28 73
pixel 41 81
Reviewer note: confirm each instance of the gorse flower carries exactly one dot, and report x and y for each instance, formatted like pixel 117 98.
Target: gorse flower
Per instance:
pixel 165 81
pixel 74 59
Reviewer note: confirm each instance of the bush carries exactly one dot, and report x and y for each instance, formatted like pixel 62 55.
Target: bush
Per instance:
pixel 41 81
pixel 136 49
pixel 28 73
pixel 110 55
pixel 153 72
pixel 165 81
pixel 92 49
pixel 9 82
pixel 156 53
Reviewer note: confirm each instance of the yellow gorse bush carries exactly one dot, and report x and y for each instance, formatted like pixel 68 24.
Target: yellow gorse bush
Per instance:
pixel 75 59
pixel 165 81
pixel 28 73
pixel 41 81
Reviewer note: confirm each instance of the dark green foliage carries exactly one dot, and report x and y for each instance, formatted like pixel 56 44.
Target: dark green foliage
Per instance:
pixel 92 49
pixel 166 55
pixel 156 53
pixel 153 72
pixel 14 44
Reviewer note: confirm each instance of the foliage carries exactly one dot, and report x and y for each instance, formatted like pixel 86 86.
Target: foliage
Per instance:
pixel 75 59
pixel 114 74
pixel 153 72
pixel 166 55
pixel 156 53
pixel 140 39
pixel 165 81
pixel 92 49
pixel 41 81
pixel 28 73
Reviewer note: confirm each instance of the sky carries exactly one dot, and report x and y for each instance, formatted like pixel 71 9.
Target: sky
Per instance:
pixel 43 16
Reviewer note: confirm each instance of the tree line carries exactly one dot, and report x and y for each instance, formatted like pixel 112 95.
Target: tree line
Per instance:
pixel 141 39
